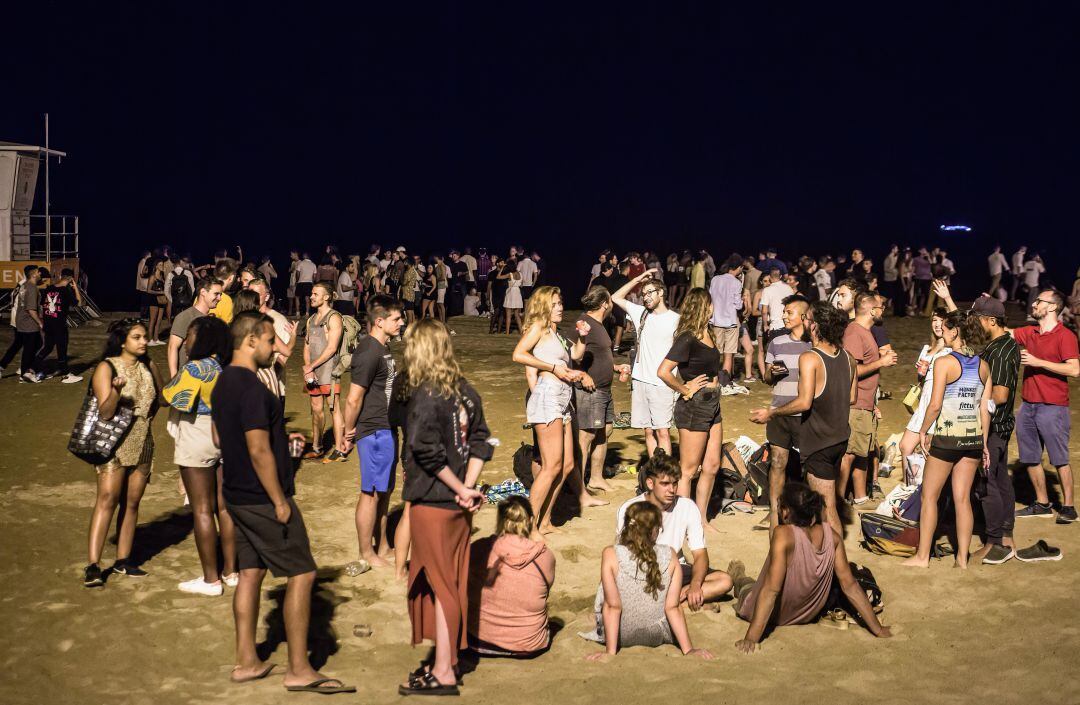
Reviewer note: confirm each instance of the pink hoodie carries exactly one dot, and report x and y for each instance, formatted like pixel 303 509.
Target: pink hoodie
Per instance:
pixel 509 579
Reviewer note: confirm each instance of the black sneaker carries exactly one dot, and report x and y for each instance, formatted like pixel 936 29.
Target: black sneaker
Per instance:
pixel 92 576
pixel 1066 515
pixel 1039 551
pixel 1035 510
pixel 131 571
pixel 998 554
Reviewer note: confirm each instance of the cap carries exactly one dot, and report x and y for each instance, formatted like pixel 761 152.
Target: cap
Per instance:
pixel 987 305
pixel 400 248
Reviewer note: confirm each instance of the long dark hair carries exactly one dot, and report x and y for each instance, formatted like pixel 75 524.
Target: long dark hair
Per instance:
pixel 245 300
pixel 804 506
pixel 118 333
pixel 212 338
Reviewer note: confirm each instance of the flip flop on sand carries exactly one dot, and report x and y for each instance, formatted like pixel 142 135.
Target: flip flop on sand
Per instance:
pixel 320 686
pixel 258 676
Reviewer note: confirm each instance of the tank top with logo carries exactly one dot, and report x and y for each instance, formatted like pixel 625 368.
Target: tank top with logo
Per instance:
pixel 959 425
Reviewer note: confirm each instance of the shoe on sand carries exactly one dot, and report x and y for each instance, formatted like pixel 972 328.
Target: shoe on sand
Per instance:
pixel 998 554
pixel 1039 551
pixel 198 586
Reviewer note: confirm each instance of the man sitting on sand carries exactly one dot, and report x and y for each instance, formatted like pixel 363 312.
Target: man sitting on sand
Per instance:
pixel 682 524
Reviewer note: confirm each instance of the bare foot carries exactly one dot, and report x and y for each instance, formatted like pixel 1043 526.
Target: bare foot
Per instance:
pixel 377 561
pixel 916 562
pixel 246 674
pixel 710 527
pixel 600 485
pixel 981 553
pixel 958 564
pixel 549 529
pixel 589 501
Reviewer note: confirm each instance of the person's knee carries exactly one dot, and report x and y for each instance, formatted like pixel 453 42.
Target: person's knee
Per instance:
pixel 302 579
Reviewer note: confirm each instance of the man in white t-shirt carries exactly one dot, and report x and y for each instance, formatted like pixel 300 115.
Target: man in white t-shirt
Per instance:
pixel 305 279
pixel 1017 270
pixel 284 340
pixel 527 269
pixel 772 304
pixel 681 525
pixel 652 403
pixel 470 263
pixel 997 264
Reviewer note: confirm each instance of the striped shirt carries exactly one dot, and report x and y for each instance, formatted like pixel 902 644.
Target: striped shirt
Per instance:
pixel 1003 356
pixel 783 348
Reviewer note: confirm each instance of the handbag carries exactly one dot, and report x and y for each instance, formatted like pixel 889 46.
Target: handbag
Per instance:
pixel 93 438
pixel 911 399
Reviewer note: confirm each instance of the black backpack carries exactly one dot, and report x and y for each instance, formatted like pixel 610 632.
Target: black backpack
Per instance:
pixel 182 295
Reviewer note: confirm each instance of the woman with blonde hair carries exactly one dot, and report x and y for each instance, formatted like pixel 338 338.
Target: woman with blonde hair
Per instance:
pixel 637 603
pixel 924 368
pixel 444 451
pixel 510 577
pixel 549 405
pixel 697 410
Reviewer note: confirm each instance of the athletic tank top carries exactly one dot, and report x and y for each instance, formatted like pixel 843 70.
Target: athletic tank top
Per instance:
pixel 826 422
pixel 959 425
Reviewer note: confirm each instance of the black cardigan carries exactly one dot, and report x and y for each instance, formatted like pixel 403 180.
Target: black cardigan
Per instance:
pixel 441 432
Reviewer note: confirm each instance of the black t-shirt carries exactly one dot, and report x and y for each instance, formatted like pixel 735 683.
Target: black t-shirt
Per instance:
pixel 460 270
pixel 694 357
pixel 56 303
pixel 373 369
pixel 881 336
pixel 240 403
pixel 613 283
pixel 597 361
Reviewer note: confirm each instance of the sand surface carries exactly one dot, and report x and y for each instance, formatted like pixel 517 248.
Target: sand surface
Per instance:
pixel 998 634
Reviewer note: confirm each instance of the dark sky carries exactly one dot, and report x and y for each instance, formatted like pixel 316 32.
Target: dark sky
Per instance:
pixel 561 127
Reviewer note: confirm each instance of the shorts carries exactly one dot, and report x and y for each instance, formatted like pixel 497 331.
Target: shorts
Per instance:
pixel 194 447
pixel 699 413
pixel 862 440
pixel 303 289
pixel 753 327
pixel 262 542
pixel 322 390
pixel 1040 426
pixel 726 338
pixel 377 453
pixel 651 405
pixel 595 410
pixel 824 464
pixel 440 296
pixel 550 400
pixel 954 455
pixel 783 432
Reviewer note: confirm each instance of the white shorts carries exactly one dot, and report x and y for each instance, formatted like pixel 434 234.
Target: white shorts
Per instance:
pixel 440 295
pixel 550 400
pixel 195 442
pixel 651 405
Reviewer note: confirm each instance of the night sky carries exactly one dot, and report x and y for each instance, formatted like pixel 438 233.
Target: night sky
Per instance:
pixel 563 128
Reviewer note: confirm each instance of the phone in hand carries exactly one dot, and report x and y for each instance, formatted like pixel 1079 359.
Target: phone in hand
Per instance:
pixel 779 368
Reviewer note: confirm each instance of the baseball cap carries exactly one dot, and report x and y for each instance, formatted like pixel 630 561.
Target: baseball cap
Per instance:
pixel 400 248
pixel 987 305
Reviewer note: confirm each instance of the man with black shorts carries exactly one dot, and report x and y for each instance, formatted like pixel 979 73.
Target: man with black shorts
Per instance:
pixel 258 487
pixel 367 424
pixel 592 396
pixel 782 371
pixel 827 386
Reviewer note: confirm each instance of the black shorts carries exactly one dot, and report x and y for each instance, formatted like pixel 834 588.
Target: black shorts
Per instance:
pixel 751 327
pixel 303 289
pixel 701 412
pixel 783 432
pixel 954 455
pixel 824 464
pixel 264 542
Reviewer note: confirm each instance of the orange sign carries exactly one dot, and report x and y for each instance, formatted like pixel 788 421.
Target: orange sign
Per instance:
pixel 11 272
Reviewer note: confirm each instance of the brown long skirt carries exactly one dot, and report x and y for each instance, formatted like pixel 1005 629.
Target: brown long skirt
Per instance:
pixel 439 569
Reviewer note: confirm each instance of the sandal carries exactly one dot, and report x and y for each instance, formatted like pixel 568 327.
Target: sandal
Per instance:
pixel 425 668
pixel 426 684
pixel 320 686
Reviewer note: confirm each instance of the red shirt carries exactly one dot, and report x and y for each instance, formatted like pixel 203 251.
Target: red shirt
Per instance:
pixel 861 344
pixel 1058 345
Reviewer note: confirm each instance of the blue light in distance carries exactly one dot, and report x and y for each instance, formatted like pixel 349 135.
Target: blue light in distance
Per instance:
pixel 954 228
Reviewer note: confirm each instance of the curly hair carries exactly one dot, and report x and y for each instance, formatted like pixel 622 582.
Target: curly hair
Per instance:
pixel 694 314
pixel 971 331
pixel 429 358
pixel 643 521
pixel 830 322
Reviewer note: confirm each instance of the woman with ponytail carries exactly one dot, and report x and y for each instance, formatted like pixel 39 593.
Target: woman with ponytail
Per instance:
pixel 959 408
pixel 509 580
pixel 635 603
pixel 794 585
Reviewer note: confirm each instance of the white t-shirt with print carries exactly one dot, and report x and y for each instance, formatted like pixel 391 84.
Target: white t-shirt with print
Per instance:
pixel 681 524
pixel 654 343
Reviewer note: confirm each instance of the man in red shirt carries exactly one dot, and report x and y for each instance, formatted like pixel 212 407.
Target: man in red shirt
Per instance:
pixel 1050 355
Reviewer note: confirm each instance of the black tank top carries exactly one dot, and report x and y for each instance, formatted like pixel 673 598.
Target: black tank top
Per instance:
pixel 826 423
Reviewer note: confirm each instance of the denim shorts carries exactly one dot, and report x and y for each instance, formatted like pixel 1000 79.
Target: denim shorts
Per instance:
pixel 1040 426
pixel 595 409
pixel 699 413
pixel 550 400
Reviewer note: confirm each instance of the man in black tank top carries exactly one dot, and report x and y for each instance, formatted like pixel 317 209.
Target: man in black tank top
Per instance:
pixel 826 392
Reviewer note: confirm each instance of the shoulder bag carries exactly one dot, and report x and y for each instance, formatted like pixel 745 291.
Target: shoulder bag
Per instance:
pixel 93 438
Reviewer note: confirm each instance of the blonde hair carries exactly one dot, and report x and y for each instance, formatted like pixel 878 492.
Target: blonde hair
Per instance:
pixel 540 304
pixel 429 358
pixel 694 314
pixel 643 520
pixel 515 517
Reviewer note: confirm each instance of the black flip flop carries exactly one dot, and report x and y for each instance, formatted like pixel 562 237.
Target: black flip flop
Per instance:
pixel 258 676
pixel 425 669
pixel 320 686
pixel 426 684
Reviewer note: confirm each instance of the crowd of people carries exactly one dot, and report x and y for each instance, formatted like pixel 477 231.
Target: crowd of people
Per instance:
pixel 820 333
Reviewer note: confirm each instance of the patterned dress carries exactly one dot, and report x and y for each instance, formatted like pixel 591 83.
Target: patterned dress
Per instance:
pixel 138 393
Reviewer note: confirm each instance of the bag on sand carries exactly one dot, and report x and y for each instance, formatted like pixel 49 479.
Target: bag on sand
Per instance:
pixel 838 600
pixel 889 536
pixel 523 462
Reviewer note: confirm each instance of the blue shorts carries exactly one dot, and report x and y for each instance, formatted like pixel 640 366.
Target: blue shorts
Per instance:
pixel 378 455
pixel 1040 426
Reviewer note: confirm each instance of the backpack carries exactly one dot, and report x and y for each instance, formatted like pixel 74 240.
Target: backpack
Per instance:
pixel 757 476
pixel 180 290
pixel 889 536
pixel 838 600
pixel 350 337
pixel 522 463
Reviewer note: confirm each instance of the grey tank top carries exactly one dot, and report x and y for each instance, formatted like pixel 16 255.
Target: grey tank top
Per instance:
pixel 826 423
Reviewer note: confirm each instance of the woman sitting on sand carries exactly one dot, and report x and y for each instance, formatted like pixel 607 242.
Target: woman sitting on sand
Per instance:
pixel 509 580
pixel 635 603
pixel 804 555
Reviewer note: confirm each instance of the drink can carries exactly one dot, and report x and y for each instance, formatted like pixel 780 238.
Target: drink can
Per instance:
pixel 296 446
pixel 624 375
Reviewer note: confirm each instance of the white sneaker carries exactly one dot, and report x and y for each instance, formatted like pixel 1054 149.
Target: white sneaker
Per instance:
pixel 71 379
pixel 727 390
pixel 231 580
pixel 198 586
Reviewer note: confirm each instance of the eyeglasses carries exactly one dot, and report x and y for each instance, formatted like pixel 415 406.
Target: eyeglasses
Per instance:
pixel 650 292
pixel 1044 301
